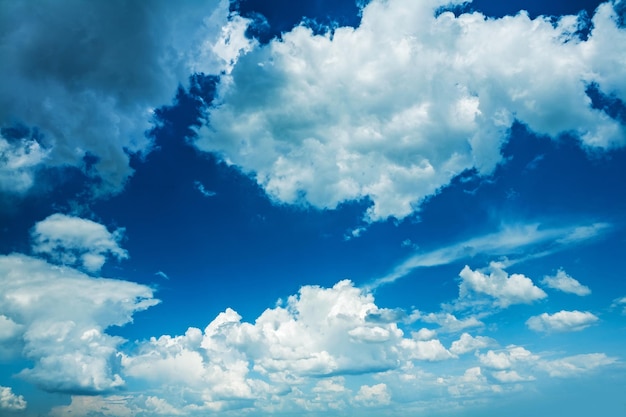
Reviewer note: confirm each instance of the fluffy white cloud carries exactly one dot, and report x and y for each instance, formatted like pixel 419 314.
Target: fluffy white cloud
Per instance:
pixel 507 358
pixel 469 343
pixel 394 109
pixel 18 161
pixel 563 321
pixel 374 395
pixel 563 282
pixel 10 401
pixel 621 303
pixel 449 322
pixel 87 75
pixel 59 318
pixel 71 240
pixel 505 289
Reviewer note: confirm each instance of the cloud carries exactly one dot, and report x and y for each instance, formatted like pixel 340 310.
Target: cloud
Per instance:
pixel 563 282
pixel 19 160
pixel 515 242
pixel 70 240
pixel 200 187
pixel 620 302
pixel 504 288
pixel 394 109
pixel 577 364
pixel 11 402
pixel 375 395
pixel 468 343
pixel 60 316
pixel 507 358
pixel 563 321
pixel 87 75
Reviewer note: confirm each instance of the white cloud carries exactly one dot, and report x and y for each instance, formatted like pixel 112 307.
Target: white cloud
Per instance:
pixel 450 323
pixel 75 241
pixel 18 162
pixel 515 242
pixel 510 376
pixel 426 350
pixel 11 402
pixel 505 289
pixel 61 316
pixel 375 395
pixel 563 282
pixel 577 364
pixel 507 358
pixel 563 321
pixel 106 66
pixel 620 302
pixel 394 109
pixel 200 187
pixel 468 343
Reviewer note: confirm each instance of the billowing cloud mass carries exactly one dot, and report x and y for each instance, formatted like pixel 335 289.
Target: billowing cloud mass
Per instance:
pixel 563 282
pixel 70 240
pixel 83 77
pixel 11 402
pixel 394 109
pixel 57 317
pixel 563 321
pixel 505 289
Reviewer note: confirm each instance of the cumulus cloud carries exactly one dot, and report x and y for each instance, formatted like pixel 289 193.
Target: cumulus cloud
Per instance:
pixel 374 395
pixel 505 289
pixel 563 321
pixel 392 110
pixel 11 402
pixel 70 240
pixel 563 282
pixel 87 75
pixel 59 317
pixel 507 358
pixel 18 162
pixel 468 343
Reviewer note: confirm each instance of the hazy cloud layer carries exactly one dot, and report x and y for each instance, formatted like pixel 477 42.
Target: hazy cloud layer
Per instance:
pixel 394 109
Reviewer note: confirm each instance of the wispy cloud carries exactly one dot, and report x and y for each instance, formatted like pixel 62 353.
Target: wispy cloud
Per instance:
pixel 516 243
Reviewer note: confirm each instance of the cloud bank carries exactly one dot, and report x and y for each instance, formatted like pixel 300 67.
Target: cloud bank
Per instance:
pixel 81 78
pixel 391 111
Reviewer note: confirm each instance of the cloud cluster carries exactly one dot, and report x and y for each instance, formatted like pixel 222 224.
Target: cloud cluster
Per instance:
pixel 505 289
pixel 57 317
pixel 563 321
pixel 392 110
pixel 75 241
pixel 86 75
pixel 11 402
pixel 563 282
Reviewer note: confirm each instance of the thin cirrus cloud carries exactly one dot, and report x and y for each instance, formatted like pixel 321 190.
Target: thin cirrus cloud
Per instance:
pixel 414 96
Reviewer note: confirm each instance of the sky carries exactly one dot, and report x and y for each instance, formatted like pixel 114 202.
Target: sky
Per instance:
pixel 317 208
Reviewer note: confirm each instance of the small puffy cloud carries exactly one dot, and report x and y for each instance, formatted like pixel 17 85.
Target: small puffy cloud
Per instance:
pixel 394 109
pixel 510 377
pixel 575 365
pixel 59 316
pixel 19 161
pixel 75 241
pixel 563 321
pixel 107 65
pixel 11 402
pixel 507 358
pixel 375 395
pixel 506 290
pixel 468 343
pixel 563 282
pixel 200 187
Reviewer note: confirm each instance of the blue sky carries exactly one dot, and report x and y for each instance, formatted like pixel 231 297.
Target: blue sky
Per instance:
pixel 324 208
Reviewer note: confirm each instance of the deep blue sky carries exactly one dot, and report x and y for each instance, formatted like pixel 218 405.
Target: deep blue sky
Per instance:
pixel 312 208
